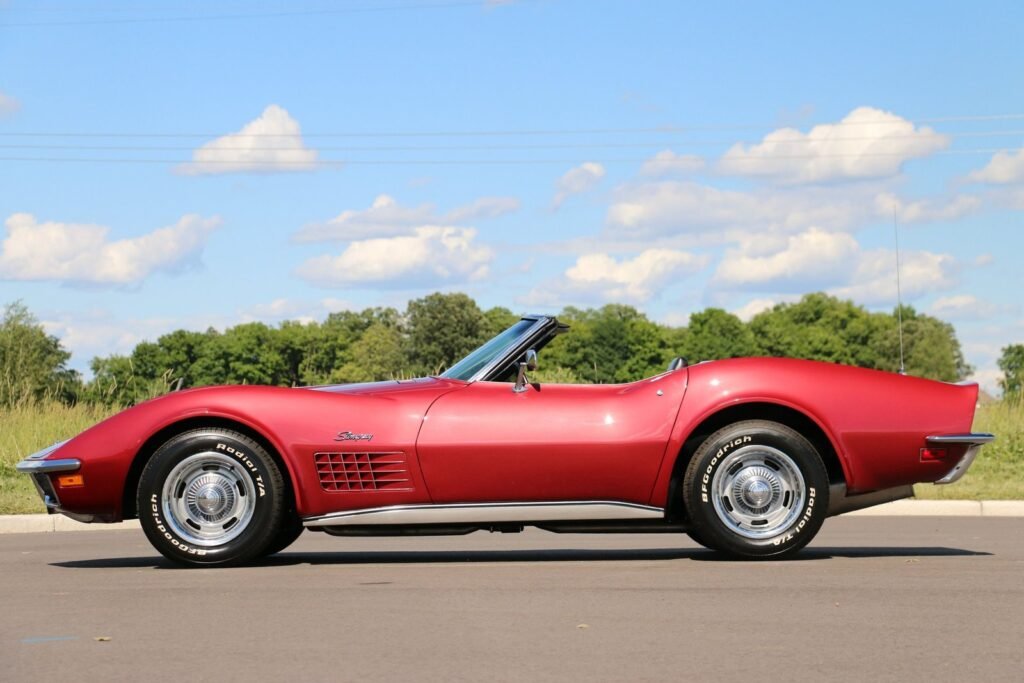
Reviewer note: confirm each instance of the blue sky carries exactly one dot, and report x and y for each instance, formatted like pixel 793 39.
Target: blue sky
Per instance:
pixel 168 165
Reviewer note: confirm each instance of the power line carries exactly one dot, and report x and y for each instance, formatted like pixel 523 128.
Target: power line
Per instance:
pixel 674 129
pixel 256 163
pixel 587 145
pixel 255 15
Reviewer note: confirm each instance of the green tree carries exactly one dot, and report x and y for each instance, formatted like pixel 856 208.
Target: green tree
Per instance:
pixel 244 354
pixel 181 349
pixel 376 355
pixel 714 333
pixel 818 327
pixel 442 328
pixel 33 364
pixel 822 327
pixel 930 347
pixel 116 381
pixel 328 344
pixel 496 320
pixel 1011 362
pixel 614 343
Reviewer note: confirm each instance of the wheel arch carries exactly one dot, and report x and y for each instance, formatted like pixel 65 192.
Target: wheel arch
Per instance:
pixel 149 447
pixel 789 416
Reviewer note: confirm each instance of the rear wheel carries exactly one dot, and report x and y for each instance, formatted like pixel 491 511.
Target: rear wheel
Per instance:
pixel 211 496
pixel 756 489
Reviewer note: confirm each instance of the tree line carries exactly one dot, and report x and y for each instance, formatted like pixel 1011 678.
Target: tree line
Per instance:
pixel 613 343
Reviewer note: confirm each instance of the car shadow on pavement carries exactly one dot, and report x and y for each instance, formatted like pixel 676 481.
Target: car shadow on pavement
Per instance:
pixel 825 553
pixel 545 555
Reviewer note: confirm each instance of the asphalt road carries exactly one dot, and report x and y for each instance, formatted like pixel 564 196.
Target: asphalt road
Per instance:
pixel 873 599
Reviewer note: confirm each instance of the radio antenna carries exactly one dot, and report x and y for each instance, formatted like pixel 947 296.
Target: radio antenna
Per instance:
pixel 899 293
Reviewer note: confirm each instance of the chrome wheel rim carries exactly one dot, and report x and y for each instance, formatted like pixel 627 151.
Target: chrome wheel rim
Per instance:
pixel 758 492
pixel 208 499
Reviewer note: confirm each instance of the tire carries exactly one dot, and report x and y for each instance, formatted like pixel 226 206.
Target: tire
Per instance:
pixel 698 539
pixel 291 528
pixel 211 497
pixel 756 489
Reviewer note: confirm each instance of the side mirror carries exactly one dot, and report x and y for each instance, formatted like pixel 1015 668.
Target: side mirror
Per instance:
pixel 529 362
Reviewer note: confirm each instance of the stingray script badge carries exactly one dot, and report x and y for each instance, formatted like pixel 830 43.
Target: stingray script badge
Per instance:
pixel 351 436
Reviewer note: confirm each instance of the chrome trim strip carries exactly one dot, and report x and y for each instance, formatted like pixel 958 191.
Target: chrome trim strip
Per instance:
pixel 519 345
pixel 976 441
pixel 39 455
pixel 44 487
pixel 58 465
pixel 485 513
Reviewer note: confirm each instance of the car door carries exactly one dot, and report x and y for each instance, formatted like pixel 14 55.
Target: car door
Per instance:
pixel 555 442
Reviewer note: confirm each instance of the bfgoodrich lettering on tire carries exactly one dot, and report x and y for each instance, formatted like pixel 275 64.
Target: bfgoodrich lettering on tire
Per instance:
pixel 211 496
pixel 756 489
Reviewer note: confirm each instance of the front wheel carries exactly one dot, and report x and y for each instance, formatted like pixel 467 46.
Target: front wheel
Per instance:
pixel 211 496
pixel 756 489
pixel 290 530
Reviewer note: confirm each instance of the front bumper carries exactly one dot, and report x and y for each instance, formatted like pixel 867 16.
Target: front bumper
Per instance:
pixel 974 442
pixel 40 471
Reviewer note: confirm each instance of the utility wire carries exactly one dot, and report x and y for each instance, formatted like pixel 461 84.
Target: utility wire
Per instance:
pixel 418 148
pixel 449 162
pixel 254 15
pixel 664 130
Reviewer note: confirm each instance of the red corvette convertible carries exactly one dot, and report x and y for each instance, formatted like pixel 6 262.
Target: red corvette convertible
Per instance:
pixel 747 456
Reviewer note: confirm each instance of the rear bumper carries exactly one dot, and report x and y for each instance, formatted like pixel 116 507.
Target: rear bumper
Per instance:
pixel 974 442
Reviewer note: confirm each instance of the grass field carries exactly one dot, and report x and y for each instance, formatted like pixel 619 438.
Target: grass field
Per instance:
pixel 27 429
pixel 997 475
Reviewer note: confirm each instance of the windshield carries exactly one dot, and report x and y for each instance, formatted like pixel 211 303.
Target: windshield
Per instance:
pixel 471 364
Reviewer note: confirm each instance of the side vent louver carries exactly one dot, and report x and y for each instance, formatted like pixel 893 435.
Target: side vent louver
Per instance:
pixel 362 471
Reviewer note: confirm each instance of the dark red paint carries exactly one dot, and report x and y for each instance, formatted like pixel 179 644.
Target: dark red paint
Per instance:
pixel 478 442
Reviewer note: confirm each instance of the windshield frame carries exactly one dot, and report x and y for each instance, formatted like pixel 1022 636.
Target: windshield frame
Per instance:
pixel 504 355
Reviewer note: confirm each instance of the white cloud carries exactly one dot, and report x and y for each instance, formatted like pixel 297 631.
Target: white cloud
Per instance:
pixel 989 379
pixel 675 318
pixel 8 105
pixel 962 307
pixel 300 310
pixel 73 252
pixel 867 143
pixel 747 311
pixel 599 278
pixel 836 263
pixel 271 142
pixel 1011 196
pixel 923 211
pixel 1004 167
pixel 983 344
pixel 432 256
pixel 810 260
pixel 480 209
pixel 921 273
pixel 90 333
pixel 646 210
pixel 668 163
pixel 87 334
pixel 387 218
pixel 583 178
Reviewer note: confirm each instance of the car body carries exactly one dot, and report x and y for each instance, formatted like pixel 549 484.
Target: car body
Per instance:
pixel 223 475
